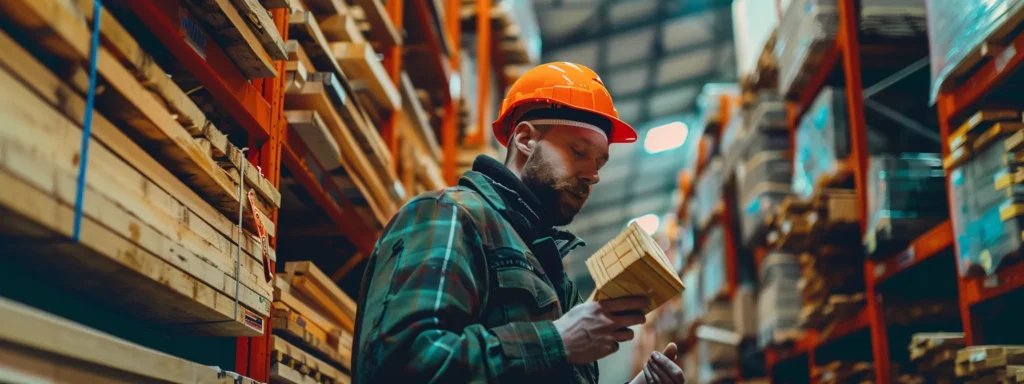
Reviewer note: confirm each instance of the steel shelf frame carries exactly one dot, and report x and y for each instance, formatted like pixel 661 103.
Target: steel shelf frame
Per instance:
pixel 953 107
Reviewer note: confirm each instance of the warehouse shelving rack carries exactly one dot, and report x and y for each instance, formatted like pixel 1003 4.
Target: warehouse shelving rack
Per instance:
pixel 846 49
pixel 258 108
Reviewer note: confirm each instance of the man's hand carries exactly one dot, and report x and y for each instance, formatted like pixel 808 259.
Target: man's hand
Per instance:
pixel 661 368
pixel 594 329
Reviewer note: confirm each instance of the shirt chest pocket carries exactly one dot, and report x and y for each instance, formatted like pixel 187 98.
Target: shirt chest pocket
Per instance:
pixel 520 293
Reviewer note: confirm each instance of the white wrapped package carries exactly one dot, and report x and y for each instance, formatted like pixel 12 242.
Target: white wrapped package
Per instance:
pixel 753 22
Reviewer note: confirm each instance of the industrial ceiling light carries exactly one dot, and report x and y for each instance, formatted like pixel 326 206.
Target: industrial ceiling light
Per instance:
pixel 649 223
pixel 665 137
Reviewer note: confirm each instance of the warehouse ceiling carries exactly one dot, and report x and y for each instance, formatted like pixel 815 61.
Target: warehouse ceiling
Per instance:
pixel 655 56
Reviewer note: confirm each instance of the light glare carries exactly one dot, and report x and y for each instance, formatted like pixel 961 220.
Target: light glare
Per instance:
pixel 666 137
pixel 649 223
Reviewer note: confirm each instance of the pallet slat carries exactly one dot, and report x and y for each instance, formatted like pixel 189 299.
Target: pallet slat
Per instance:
pixel 285 348
pixel 359 61
pixel 263 26
pixel 382 29
pixel 308 278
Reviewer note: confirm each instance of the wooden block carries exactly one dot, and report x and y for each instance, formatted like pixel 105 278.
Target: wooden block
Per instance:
pixel 298 302
pixel 647 273
pixel 310 280
pixel 359 61
pixel 126 100
pixel 304 28
pixel 382 29
pixel 281 373
pixel 40 347
pixel 300 334
pixel 340 27
pixel 259 20
pixel 198 215
pixel 297 53
pixel 230 31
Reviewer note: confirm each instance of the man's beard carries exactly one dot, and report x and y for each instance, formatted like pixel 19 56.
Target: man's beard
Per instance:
pixel 541 180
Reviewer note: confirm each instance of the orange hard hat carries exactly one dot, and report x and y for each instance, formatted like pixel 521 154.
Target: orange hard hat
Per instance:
pixel 562 84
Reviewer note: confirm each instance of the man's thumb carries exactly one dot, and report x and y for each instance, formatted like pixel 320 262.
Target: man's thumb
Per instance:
pixel 671 350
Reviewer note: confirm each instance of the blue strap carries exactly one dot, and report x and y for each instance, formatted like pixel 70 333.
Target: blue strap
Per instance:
pixel 87 121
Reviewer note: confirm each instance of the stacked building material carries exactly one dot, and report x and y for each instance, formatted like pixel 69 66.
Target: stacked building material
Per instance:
pixel 990 363
pixel 831 286
pixel 934 355
pixel 633 264
pixel 906 198
pixel 986 195
pixel 778 302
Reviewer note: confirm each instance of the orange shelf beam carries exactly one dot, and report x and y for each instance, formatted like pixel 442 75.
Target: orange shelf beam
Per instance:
pixel 846 327
pixel 450 120
pixel 980 289
pixel 924 247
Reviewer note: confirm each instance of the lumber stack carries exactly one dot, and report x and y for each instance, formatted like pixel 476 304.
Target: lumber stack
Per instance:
pixel 990 364
pixel 831 286
pixel 313 321
pixel 934 355
pixel 338 95
pixel 163 187
pixel 632 264
pixel 39 347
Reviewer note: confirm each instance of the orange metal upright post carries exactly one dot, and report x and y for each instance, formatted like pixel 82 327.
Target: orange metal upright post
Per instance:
pixel 393 63
pixel 450 120
pixel 850 45
pixel 483 69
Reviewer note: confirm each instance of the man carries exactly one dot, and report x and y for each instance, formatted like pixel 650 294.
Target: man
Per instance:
pixel 466 284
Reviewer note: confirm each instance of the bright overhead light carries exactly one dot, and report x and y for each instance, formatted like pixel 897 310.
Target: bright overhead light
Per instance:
pixel 666 137
pixel 649 223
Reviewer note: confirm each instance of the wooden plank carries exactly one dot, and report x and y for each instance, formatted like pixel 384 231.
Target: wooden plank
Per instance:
pixel 169 195
pixel 34 338
pixel 231 33
pixel 311 280
pixel 288 314
pixel 418 119
pixel 313 131
pixel 360 62
pixel 287 349
pixel 121 273
pixel 382 29
pixel 263 26
pixel 297 53
pixel 304 28
pixel 314 97
pixel 281 373
pixel 302 333
pixel 327 7
pixel 126 100
pixel 298 302
pixel 50 144
pixel 340 27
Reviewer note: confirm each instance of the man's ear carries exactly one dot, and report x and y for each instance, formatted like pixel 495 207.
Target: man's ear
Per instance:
pixel 524 138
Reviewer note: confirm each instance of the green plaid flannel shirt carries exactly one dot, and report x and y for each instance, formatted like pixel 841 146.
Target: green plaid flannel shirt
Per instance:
pixel 454 294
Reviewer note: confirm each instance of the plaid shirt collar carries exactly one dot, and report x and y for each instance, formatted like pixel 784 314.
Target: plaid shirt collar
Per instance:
pixel 508 195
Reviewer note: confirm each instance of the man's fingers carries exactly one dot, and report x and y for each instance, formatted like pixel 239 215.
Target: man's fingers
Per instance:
pixel 626 321
pixel 623 335
pixel 659 370
pixel 625 304
pixel 671 350
pixel 667 370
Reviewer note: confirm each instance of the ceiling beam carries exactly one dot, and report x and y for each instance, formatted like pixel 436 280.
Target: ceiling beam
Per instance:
pixel 695 81
pixel 588 30
pixel 671 53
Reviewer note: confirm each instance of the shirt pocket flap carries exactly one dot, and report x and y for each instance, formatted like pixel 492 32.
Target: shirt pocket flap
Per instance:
pixel 523 279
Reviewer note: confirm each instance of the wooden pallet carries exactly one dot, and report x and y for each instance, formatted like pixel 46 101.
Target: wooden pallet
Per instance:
pixel 306 277
pixel 285 354
pixel 40 347
pixel 924 344
pixel 360 62
pixel 633 264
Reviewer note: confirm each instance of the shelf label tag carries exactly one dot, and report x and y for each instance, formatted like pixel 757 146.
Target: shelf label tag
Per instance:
pixel 906 258
pixel 192 33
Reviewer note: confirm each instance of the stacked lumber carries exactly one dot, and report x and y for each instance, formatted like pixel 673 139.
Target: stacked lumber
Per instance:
pixel 337 94
pixel 163 186
pixel 990 364
pixel 632 264
pixel 934 355
pixel 831 286
pixel 314 318
pixel 39 347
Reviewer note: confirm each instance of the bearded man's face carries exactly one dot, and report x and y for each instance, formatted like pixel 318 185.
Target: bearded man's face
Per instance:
pixel 562 170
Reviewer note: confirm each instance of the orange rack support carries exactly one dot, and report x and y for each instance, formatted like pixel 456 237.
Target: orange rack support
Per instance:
pixel 450 120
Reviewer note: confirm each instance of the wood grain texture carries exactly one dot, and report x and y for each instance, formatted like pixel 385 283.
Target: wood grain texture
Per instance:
pixel 285 348
pixel 259 20
pixel 40 347
pixel 309 279
pixel 123 47
pixel 298 302
pixel 340 27
pixel 169 194
pixel 125 100
pixel 632 264
pixel 381 27
pixel 360 62
pixel 37 135
pixel 305 334
pixel 230 31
